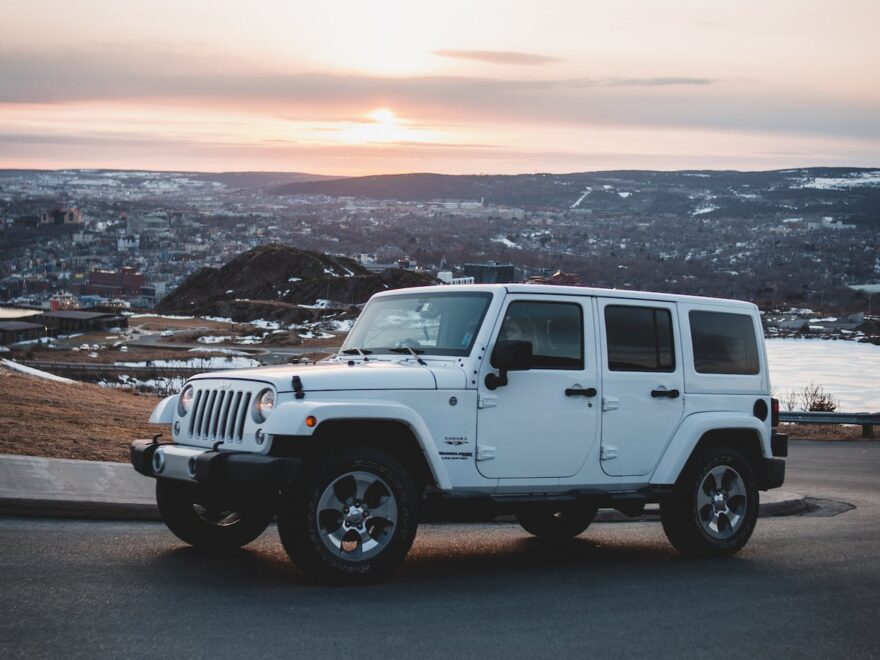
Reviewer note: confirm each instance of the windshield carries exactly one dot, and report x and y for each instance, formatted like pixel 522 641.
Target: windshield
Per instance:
pixel 431 324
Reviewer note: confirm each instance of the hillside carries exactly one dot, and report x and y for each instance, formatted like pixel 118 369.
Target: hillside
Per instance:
pixel 76 420
pixel 282 283
pixel 851 194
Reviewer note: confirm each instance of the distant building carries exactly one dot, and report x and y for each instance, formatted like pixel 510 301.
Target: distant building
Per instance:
pixel 66 322
pixel 446 277
pixel 12 332
pixel 490 273
pixel 128 243
pixel 61 217
pixel 114 283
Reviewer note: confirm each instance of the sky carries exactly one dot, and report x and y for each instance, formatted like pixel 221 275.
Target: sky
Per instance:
pixel 379 86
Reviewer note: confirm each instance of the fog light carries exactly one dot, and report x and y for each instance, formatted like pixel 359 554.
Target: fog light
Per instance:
pixel 191 467
pixel 311 421
pixel 158 462
pixel 261 437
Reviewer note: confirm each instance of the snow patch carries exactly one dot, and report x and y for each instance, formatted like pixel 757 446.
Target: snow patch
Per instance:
pixel 213 340
pixel 30 371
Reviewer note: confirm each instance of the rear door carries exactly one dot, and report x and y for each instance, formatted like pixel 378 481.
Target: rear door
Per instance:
pixel 642 383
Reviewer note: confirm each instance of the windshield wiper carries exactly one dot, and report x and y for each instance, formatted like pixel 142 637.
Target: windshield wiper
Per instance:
pixel 363 352
pixel 412 351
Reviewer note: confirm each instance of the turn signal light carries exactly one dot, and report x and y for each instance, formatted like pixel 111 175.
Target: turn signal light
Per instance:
pixel 311 421
pixel 774 413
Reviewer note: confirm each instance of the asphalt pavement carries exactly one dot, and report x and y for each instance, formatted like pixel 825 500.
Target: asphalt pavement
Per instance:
pixel 805 586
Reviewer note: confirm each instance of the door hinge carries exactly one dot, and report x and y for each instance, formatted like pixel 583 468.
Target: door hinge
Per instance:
pixel 487 401
pixel 485 452
pixel 608 452
pixel 610 403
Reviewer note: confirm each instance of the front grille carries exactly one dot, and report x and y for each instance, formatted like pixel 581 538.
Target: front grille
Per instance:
pixel 219 414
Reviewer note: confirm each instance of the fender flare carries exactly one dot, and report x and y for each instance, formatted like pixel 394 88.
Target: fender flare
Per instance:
pixel 688 434
pixel 163 413
pixel 290 419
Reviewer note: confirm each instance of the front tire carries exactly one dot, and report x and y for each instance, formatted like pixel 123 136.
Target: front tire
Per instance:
pixel 209 520
pixel 559 523
pixel 354 520
pixel 714 507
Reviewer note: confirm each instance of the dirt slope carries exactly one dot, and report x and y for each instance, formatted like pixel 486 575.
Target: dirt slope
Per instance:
pixel 39 417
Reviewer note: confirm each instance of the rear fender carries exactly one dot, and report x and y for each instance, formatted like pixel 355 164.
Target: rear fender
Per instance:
pixel 689 433
pixel 290 419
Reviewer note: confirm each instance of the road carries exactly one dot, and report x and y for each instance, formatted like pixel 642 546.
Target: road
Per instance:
pixel 805 586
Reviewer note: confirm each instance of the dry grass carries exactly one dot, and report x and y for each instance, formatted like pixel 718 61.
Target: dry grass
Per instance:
pixel 39 417
pixel 829 432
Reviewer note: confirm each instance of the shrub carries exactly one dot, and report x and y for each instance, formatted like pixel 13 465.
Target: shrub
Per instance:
pixel 815 399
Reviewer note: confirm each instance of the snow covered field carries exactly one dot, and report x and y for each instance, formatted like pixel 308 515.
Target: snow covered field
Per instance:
pixel 847 370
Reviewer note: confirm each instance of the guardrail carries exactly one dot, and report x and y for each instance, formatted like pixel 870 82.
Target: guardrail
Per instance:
pixel 866 420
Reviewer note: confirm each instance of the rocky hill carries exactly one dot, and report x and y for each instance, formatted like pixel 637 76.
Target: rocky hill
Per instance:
pixel 282 283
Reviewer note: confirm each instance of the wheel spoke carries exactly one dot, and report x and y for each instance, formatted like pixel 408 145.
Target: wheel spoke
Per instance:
pixel 363 483
pixel 736 489
pixel 386 510
pixel 367 543
pixel 332 501
pixel 737 503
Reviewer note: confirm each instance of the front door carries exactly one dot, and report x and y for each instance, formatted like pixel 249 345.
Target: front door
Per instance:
pixel 642 383
pixel 544 422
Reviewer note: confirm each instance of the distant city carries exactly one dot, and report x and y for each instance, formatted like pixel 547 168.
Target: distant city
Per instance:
pixel 122 240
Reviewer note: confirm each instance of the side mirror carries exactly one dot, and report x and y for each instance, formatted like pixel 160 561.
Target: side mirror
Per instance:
pixel 509 356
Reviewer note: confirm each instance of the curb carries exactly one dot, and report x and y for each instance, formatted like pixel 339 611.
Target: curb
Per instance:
pixel 82 510
pixel 783 504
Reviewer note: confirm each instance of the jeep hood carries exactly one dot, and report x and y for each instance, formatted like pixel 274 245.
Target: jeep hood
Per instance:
pixel 370 375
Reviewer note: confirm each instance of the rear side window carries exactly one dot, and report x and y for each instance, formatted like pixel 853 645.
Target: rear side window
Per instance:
pixel 724 343
pixel 639 338
pixel 556 331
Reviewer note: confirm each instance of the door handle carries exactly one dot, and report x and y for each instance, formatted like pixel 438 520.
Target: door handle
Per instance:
pixel 581 391
pixel 669 394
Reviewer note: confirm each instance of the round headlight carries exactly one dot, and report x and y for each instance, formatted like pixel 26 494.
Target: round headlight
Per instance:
pixel 184 401
pixel 265 404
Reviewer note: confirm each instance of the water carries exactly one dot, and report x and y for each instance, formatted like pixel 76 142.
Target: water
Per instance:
pixel 847 370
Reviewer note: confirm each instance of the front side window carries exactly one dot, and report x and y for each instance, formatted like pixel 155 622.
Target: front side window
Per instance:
pixel 556 331
pixel 639 338
pixel 432 324
pixel 724 343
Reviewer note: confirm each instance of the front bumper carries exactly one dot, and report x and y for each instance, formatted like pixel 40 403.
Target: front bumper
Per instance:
pixel 198 465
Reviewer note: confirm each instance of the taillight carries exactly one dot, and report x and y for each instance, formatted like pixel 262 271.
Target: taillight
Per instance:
pixel 774 413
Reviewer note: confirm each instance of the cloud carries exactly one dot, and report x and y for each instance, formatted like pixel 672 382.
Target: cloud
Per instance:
pixel 497 57
pixel 667 101
pixel 657 82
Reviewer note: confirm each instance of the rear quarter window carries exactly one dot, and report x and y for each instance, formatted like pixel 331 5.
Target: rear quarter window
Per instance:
pixel 724 343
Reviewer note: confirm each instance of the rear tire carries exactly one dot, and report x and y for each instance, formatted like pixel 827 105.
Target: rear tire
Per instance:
pixel 714 506
pixel 557 523
pixel 353 520
pixel 208 520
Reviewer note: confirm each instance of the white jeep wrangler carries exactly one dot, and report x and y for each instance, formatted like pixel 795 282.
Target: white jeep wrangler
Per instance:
pixel 544 402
